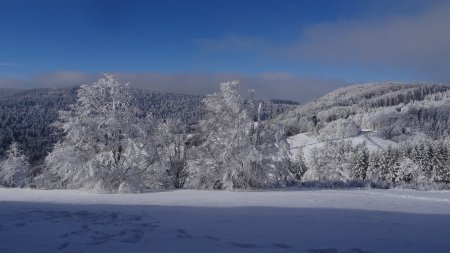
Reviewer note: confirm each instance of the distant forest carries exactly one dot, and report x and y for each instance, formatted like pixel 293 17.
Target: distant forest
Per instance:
pixel 397 111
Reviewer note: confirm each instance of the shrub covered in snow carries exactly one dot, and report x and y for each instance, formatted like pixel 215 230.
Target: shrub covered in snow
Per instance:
pixel 14 170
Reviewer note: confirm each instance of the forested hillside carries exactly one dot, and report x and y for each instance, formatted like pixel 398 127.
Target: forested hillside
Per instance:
pixel 390 132
pixel 393 109
pixel 26 115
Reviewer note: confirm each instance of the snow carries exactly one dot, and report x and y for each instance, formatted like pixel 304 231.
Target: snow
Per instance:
pixel 373 142
pixel 361 220
pixel 308 143
pixel 301 140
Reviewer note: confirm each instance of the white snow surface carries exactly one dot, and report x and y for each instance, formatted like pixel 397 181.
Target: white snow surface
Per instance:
pixel 308 143
pixel 357 220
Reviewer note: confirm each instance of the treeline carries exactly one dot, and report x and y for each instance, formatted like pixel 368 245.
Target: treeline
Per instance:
pixel 26 115
pixel 109 144
pixel 418 162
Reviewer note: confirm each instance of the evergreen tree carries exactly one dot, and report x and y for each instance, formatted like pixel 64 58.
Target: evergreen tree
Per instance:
pixel 408 171
pixel 428 161
pixel 441 171
pixel 385 164
pixel 394 165
pixel 298 167
pixel 360 162
pixel 374 169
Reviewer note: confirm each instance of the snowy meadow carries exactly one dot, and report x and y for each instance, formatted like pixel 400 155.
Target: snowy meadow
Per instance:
pixel 225 221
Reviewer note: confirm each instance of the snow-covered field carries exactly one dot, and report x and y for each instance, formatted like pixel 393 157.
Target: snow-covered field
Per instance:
pixel 224 221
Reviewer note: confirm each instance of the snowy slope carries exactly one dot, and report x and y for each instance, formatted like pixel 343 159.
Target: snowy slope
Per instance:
pixel 373 142
pixel 223 221
pixel 301 140
pixel 308 143
pixel 305 142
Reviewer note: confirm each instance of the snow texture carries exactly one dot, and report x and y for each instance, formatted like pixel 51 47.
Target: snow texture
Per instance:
pixel 225 221
pixel 308 143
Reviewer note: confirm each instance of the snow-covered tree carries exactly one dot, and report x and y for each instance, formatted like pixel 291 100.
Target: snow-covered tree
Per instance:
pixel 375 170
pixel 318 164
pixel 15 168
pixel 431 158
pixel 299 167
pixel 332 161
pixel 106 145
pixel 360 162
pixel 227 143
pixel 173 145
pixel 339 129
pixel 408 171
pixel 237 150
pixel 441 169
pixel 391 170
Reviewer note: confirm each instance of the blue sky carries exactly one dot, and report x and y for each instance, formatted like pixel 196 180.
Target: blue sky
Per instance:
pixel 328 43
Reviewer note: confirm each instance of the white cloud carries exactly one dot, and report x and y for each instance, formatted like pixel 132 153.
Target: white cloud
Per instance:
pixel 419 43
